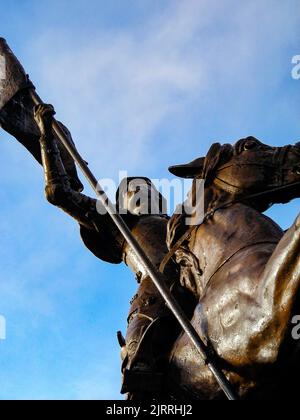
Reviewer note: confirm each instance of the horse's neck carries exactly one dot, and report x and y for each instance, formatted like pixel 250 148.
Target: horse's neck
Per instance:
pixel 229 231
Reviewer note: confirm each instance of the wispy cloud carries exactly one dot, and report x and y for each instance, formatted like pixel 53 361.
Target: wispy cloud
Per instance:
pixel 135 97
pixel 118 88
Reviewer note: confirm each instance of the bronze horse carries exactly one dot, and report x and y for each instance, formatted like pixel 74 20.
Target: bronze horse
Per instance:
pixel 240 268
pixel 239 265
pixel 244 271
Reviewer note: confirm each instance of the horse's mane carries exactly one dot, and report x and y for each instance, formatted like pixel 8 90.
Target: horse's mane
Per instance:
pixel 217 154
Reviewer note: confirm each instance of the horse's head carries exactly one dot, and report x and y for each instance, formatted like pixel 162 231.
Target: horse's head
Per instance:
pixel 247 168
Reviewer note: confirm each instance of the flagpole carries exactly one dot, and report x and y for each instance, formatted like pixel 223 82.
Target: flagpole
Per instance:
pixel 157 278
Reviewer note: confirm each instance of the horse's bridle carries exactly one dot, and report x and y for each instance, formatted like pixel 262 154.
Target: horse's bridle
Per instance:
pixel 278 163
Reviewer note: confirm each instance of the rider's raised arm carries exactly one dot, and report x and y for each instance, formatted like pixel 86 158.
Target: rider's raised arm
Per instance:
pixel 58 188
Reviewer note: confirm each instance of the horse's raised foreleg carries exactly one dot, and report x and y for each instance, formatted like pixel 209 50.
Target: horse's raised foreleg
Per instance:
pixel 277 293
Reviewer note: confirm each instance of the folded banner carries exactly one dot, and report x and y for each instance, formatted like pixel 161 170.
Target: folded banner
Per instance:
pixel 12 75
pixel 16 110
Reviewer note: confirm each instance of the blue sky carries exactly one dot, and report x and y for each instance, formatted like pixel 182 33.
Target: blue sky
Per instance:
pixel 141 84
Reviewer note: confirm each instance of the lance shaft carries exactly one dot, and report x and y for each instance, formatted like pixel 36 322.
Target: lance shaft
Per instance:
pixel 157 278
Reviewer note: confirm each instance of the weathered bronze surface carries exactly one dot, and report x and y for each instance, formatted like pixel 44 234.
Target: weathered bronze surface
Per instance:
pixel 151 328
pixel 236 275
pixel 16 112
pixel 248 289
pixel 14 79
pixel 240 266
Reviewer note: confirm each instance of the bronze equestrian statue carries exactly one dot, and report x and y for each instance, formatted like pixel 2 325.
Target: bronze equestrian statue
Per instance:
pixel 246 291
pixel 236 274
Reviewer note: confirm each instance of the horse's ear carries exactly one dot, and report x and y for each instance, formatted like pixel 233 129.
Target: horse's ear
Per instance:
pixel 204 167
pixel 212 159
pixel 216 156
pixel 190 170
